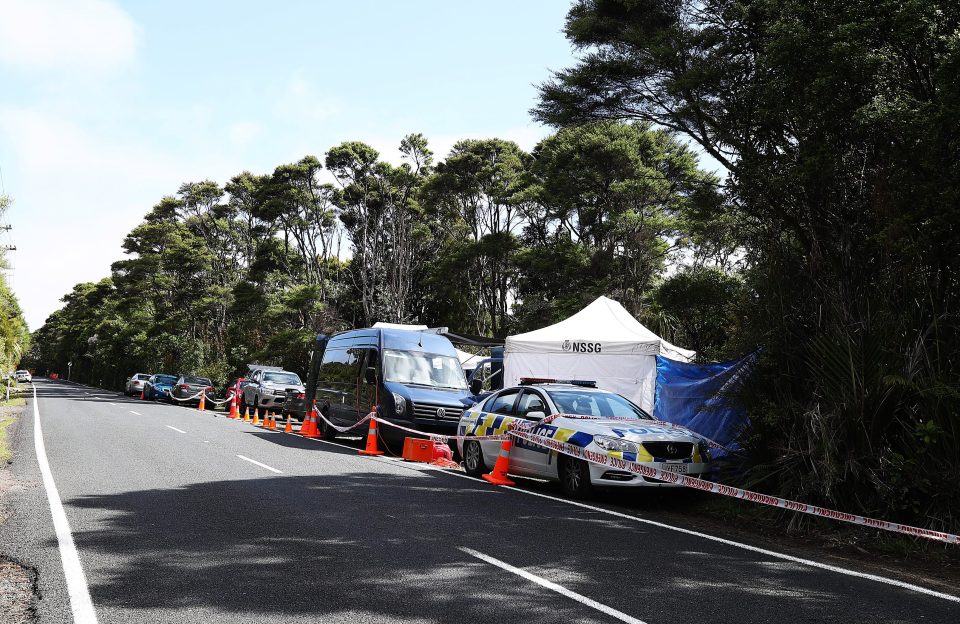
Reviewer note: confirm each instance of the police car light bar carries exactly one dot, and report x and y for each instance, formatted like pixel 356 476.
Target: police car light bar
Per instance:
pixel 529 381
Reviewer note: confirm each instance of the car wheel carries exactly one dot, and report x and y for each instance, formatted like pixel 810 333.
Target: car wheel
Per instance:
pixel 473 458
pixel 575 477
pixel 326 431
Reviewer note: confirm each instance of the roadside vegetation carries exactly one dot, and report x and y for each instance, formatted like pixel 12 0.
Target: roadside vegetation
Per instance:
pixel 832 244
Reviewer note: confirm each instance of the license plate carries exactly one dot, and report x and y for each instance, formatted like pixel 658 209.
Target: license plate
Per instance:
pixel 677 468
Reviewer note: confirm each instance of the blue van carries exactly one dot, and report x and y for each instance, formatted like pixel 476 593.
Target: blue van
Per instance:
pixel 413 378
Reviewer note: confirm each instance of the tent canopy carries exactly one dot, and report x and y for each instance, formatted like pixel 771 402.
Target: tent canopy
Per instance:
pixel 605 323
pixel 602 342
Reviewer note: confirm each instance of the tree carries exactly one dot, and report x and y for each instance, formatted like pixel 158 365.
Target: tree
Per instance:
pixel 837 123
pixel 477 197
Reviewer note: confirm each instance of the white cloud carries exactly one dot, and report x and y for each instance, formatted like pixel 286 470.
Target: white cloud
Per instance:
pixel 66 34
pixel 243 132
pixel 76 196
pixel 300 101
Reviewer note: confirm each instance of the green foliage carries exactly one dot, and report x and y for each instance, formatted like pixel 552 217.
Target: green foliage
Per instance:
pixel 837 123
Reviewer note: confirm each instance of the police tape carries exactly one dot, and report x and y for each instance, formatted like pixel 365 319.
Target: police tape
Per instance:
pixel 440 437
pixel 650 472
pixel 343 429
pixel 196 396
pixel 437 437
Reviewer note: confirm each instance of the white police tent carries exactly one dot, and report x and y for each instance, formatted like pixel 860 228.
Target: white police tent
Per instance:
pixel 603 343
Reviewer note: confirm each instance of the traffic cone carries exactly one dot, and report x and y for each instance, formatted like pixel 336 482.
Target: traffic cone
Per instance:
pixel 265 423
pixel 141 394
pixel 371 448
pixel 203 402
pixel 288 428
pixel 246 415
pixel 256 417
pixel 309 429
pixel 272 425
pixel 499 474
pixel 234 411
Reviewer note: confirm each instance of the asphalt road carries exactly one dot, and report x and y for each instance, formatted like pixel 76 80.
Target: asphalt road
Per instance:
pixel 185 517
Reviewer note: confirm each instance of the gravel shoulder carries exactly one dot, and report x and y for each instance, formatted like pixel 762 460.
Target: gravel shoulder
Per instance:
pixel 17 581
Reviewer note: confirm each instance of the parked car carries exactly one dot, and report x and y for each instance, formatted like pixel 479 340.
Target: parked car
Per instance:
pixel 135 383
pixel 267 388
pixel 158 387
pixel 23 376
pixel 188 386
pixel 414 376
pixel 584 416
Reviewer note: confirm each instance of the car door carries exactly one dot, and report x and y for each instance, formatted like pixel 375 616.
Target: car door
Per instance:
pixel 530 458
pixel 500 404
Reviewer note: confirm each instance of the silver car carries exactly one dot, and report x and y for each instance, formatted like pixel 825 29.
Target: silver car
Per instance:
pixel 267 388
pixel 135 384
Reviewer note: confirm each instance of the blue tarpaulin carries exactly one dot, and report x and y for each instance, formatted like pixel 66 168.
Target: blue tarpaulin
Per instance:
pixel 696 396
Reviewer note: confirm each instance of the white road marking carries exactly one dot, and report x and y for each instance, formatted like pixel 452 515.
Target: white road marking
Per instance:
pixel 253 461
pixel 137 413
pixel 762 551
pixel 560 589
pixel 721 540
pixel 112 403
pixel 175 429
pixel 80 602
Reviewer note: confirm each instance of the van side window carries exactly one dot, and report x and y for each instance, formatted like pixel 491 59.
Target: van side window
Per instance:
pixel 503 403
pixel 341 365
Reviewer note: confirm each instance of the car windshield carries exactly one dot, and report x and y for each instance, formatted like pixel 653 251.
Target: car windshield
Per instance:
pixel 282 378
pixel 142 377
pixel 596 404
pixel 164 379
pixel 424 369
pixel 196 381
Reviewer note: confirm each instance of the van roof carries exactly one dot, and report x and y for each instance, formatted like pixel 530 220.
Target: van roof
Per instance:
pixel 399 339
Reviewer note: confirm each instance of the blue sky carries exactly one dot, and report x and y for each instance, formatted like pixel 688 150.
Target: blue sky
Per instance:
pixel 107 106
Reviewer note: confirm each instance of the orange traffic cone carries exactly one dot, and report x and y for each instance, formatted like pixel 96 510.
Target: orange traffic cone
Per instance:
pixel 256 417
pixel 265 423
pixel 371 448
pixel 234 411
pixel 288 428
pixel 246 415
pixel 309 428
pixel 141 394
pixel 499 474
pixel 203 402
pixel 272 426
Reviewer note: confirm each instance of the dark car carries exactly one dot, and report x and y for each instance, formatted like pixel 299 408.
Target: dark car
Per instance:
pixel 190 387
pixel 158 387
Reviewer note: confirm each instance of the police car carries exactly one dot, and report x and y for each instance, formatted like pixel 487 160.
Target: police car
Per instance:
pixel 577 413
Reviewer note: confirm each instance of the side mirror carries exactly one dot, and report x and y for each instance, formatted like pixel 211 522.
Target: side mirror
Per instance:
pixel 476 386
pixel 370 375
pixel 535 416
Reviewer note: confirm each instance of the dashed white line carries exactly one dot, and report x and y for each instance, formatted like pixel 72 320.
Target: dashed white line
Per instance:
pixel 137 413
pixel 253 461
pixel 80 602
pixel 175 429
pixel 560 589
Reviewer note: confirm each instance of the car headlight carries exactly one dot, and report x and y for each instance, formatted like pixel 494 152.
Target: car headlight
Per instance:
pixel 400 404
pixel 615 444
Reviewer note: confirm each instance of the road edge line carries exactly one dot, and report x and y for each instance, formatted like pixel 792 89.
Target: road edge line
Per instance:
pixel 80 602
